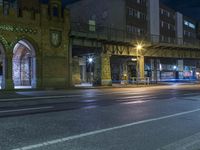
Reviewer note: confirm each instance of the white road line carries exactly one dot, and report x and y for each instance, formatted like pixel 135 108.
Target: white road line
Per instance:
pixel 74 137
pixel 136 102
pixel 35 98
pixel 25 109
pixel 57 96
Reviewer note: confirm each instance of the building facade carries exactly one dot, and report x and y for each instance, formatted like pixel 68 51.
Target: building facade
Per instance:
pixel 33 45
pixel 110 31
pixel 94 42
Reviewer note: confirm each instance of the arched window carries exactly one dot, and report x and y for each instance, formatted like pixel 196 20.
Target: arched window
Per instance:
pixel 55 11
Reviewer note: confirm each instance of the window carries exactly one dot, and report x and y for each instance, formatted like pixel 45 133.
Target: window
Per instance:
pixel 142 16
pixel 129 28
pixel 55 11
pixel 168 14
pixel 5 8
pixel 162 24
pixel 138 15
pixel 186 23
pixel 92 25
pixel 135 30
pixel 130 11
pixel 162 38
pixel 168 26
pixel 189 24
pixel 138 1
pixel 161 10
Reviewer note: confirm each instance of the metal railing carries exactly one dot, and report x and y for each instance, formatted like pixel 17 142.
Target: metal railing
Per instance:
pixel 118 35
pixel 140 80
pixel 104 33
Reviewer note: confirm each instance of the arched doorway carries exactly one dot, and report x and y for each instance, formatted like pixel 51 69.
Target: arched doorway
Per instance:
pixel 2 67
pixel 24 65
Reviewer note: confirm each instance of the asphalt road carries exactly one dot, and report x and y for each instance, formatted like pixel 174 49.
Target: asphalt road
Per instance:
pixel 152 118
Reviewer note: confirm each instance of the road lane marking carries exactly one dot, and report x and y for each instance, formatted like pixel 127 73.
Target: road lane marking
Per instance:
pixel 74 137
pixel 25 109
pixel 40 97
pixel 63 96
pixel 136 102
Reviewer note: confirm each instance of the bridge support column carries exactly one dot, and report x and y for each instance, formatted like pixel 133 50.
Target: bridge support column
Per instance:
pixel 180 68
pixel 154 68
pixel 97 70
pixel 141 66
pixel 76 71
pixel 105 70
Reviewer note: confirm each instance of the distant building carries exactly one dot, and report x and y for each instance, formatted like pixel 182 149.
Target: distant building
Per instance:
pixel 112 29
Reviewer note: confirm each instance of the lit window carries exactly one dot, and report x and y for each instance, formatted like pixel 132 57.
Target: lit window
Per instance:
pixel 191 25
pixel 186 23
pixel 92 25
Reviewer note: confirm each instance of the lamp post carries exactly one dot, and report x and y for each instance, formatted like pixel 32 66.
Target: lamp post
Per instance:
pixel 138 48
pixel 90 61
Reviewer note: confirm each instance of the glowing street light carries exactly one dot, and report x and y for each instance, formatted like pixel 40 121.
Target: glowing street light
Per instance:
pixel 90 60
pixel 139 46
pixel 175 67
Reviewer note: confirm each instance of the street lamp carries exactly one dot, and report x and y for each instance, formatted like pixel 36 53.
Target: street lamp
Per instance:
pixel 90 61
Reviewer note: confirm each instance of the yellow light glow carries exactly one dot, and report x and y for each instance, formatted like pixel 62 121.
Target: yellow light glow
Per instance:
pixel 139 47
pixel 134 59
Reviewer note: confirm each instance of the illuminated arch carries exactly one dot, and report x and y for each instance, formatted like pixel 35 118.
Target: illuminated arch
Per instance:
pixel 24 64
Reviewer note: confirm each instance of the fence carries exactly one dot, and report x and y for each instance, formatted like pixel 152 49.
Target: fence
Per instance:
pixel 140 80
pixel 119 35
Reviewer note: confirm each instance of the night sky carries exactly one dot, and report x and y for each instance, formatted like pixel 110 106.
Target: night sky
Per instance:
pixel 188 7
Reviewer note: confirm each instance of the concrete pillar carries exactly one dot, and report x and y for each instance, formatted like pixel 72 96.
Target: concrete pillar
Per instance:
pixel 97 70
pixel 141 66
pixel 84 73
pixel 180 68
pixel 9 85
pixel 158 69
pixel 70 62
pixel 82 63
pixel 154 70
pixel 76 71
pixel 105 70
